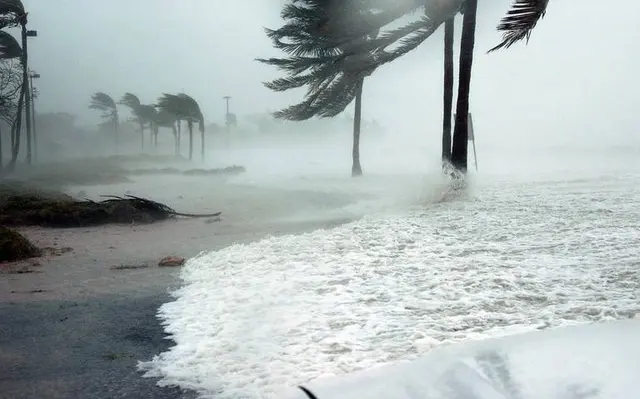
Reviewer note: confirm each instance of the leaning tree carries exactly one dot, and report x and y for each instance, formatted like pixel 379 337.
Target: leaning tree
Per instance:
pixel 105 103
pixel 334 79
pixel 338 29
pixel 185 108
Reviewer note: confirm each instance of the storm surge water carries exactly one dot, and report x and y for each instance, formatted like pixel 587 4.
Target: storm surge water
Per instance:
pixel 550 240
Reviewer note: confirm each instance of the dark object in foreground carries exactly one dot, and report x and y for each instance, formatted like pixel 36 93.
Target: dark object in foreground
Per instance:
pixel 14 246
pixel 31 208
pixel 308 392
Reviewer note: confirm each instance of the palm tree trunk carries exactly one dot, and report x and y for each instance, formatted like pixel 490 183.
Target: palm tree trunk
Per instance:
pixel 179 122
pixel 175 137
pixel 27 100
pixel 190 127
pixel 448 90
pixel 142 134
pixel 116 132
pixel 202 142
pixel 461 130
pixel 15 131
pixel 1 160
pixel 356 168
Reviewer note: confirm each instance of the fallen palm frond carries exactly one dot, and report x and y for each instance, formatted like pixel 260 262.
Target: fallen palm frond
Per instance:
pixel 31 208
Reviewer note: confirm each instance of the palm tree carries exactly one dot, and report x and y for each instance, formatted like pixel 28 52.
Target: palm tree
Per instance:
pixel 185 108
pixel 147 115
pixel 103 102
pixel 338 28
pixel 168 120
pixel 334 74
pixel 132 102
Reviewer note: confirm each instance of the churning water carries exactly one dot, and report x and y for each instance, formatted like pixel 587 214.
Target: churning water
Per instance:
pixel 536 245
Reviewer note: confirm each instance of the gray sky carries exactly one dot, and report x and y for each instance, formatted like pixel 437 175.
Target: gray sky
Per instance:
pixel 575 78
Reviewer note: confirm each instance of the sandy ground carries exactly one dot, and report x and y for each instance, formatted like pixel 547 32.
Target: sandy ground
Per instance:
pixel 74 323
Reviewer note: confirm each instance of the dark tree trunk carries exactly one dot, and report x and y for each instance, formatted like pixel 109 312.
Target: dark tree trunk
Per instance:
pixel 176 148
pixel 448 90
pixel 179 122
pixel 190 127
pixel 116 132
pixel 202 141
pixel 27 100
pixel 461 130
pixel 1 160
pixel 15 132
pixel 356 169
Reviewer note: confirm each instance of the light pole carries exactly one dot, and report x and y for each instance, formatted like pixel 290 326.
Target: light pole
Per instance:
pixel 228 123
pixel 25 75
pixel 32 76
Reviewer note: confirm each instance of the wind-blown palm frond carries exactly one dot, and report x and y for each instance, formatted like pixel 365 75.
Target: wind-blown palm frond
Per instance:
pixel 520 20
pixel 331 45
pixel 148 113
pixel 130 100
pixel 9 47
pixel 193 110
pixel 165 119
pixel 12 13
pixel 103 102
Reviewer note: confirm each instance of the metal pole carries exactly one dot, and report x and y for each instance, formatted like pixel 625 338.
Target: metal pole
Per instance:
pixel 473 136
pixel 33 117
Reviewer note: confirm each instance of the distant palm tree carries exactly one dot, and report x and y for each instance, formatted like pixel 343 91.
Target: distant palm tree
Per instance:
pixel 103 102
pixel 148 114
pixel 185 108
pixel 132 102
pixel 168 120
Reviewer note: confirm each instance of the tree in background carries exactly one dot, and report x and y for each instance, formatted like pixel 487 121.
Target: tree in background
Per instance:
pixel 185 108
pixel 132 102
pixel 148 115
pixel 103 102
pixel 11 50
pixel 168 120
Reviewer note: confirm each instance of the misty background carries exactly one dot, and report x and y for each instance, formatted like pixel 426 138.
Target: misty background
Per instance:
pixel 573 85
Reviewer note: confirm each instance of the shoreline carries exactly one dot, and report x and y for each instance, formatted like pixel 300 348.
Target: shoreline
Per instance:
pixel 77 327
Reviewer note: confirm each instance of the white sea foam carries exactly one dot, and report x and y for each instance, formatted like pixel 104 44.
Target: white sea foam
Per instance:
pixel 508 255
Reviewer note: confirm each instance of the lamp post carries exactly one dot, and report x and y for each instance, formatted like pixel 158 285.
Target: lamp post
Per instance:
pixel 228 123
pixel 32 76
pixel 25 65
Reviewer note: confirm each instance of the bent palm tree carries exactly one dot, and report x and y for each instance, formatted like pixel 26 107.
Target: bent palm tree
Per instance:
pixel 168 120
pixel 147 115
pixel 10 49
pixel 132 102
pixel 103 102
pixel 185 108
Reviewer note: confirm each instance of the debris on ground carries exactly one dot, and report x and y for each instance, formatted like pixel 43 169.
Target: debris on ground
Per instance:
pixel 24 206
pixel 171 261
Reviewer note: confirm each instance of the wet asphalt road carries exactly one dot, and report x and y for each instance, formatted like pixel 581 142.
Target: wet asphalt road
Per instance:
pixel 81 349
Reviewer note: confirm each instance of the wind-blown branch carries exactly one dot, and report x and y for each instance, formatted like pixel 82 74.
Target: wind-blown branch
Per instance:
pixel 520 20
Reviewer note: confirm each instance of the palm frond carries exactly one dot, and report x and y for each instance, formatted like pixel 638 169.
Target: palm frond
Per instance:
pixel 12 13
pixel 9 46
pixel 103 102
pixel 520 21
pixel 130 100
pixel 147 113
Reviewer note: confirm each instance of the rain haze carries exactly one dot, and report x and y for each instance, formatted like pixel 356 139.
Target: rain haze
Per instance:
pixel 280 268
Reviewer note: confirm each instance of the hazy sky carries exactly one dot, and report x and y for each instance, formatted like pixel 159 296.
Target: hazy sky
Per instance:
pixel 575 78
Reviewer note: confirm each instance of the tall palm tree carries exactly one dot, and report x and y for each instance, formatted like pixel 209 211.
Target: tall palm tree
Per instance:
pixel 449 26
pixel 103 102
pixel 185 108
pixel 132 102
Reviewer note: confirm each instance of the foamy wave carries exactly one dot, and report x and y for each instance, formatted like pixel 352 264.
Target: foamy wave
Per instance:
pixel 252 319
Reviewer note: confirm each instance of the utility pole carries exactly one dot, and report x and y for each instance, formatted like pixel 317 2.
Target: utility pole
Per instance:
pixel 32 76
pixel 227 120
pixel 25 75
